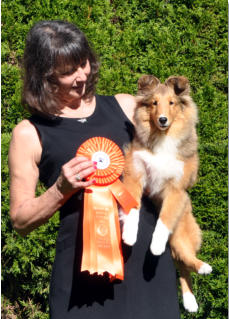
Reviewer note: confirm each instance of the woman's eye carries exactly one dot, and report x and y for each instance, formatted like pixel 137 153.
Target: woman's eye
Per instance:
pixel 71 71
pixel 154 102
pixel 171 102
pixel 66 73
pixel 83 64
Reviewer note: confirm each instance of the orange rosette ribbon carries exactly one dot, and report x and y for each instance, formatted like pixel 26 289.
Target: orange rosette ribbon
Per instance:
pixel 102 250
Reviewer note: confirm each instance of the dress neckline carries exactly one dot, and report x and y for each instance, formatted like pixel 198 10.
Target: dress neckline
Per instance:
pixel 78 119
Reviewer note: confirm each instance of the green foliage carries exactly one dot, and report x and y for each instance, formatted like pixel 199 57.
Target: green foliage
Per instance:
pixel 26 262
pixel 168 37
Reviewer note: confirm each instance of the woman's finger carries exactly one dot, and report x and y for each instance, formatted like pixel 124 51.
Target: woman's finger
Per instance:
pixel 79 176
pixel 76 160
pixel 84 184
pixel 79 168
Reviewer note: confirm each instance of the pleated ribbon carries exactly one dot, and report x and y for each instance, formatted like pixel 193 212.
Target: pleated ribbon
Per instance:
pixel 102 250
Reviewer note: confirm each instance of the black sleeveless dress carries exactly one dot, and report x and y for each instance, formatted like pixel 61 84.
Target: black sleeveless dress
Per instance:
pixel 149 288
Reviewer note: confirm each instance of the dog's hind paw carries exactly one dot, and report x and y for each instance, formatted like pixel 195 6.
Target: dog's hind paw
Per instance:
pixel 189 302
pixel 205 269
pixel 130 227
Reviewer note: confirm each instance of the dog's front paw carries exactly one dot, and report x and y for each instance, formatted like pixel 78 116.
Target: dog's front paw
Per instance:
pixel 130 227
pixel 128 236
pixel 159 239
pixel 157 247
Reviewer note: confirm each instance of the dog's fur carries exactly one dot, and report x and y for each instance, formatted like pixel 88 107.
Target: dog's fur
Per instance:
pixel 163 161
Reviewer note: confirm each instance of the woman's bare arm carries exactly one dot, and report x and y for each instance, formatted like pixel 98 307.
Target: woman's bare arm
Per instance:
pixel 28 212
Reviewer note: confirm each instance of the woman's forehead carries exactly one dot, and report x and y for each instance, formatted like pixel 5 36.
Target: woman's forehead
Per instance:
pixel 67 64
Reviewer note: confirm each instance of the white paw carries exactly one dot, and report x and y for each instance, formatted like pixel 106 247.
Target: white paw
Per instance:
pixel 160 238
pixel 157 248
pixel 189 302
pixel 130 227
pixel 205 269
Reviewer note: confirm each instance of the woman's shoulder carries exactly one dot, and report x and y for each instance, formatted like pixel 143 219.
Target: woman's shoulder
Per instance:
pixel 24 129
pixel 127 103
pixel 124 98
pixel 25 137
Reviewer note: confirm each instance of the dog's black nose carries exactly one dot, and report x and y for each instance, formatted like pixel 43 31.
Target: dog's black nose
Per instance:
pixel 163 120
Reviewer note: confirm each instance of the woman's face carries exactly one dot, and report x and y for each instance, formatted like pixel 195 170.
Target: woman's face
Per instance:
pixel 73 84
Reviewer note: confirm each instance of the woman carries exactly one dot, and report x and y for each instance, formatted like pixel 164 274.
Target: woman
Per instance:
pixel 60 73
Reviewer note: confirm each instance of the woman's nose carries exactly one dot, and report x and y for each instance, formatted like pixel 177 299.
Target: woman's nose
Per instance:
pixel 81 74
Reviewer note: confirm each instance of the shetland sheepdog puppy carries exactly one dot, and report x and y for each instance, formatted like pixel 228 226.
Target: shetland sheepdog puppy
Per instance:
pixel 162 160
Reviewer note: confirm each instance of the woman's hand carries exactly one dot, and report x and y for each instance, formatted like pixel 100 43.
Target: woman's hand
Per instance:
pixel 73 174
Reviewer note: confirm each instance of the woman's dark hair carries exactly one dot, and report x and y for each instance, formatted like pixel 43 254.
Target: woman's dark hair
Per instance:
pixel 54 48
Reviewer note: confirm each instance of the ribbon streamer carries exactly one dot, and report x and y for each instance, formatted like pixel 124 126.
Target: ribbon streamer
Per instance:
pixel 102 250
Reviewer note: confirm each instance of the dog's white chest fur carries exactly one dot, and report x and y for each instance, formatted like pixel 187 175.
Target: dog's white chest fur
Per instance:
pixel 160 165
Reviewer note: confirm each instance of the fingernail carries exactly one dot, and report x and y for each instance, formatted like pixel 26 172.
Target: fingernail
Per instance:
pixel 94 180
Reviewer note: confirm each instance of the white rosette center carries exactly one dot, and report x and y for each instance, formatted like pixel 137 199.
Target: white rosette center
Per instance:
pixel 102 159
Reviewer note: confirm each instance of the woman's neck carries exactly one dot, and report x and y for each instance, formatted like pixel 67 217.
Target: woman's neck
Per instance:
pixel 79 109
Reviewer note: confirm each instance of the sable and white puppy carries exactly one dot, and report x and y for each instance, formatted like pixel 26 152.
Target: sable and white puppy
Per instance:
pixel 163 160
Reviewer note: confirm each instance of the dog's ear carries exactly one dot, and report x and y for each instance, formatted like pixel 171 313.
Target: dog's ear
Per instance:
pixel 146 83
pixel 180 84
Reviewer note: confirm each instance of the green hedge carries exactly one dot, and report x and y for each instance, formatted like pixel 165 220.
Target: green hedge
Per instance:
pixel 168 37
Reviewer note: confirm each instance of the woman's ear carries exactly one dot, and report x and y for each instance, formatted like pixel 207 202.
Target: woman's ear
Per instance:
pixel 146 83
pixel 179 84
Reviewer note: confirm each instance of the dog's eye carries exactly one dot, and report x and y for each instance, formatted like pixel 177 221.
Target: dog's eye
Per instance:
pixel 171 102
pixel 154 102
